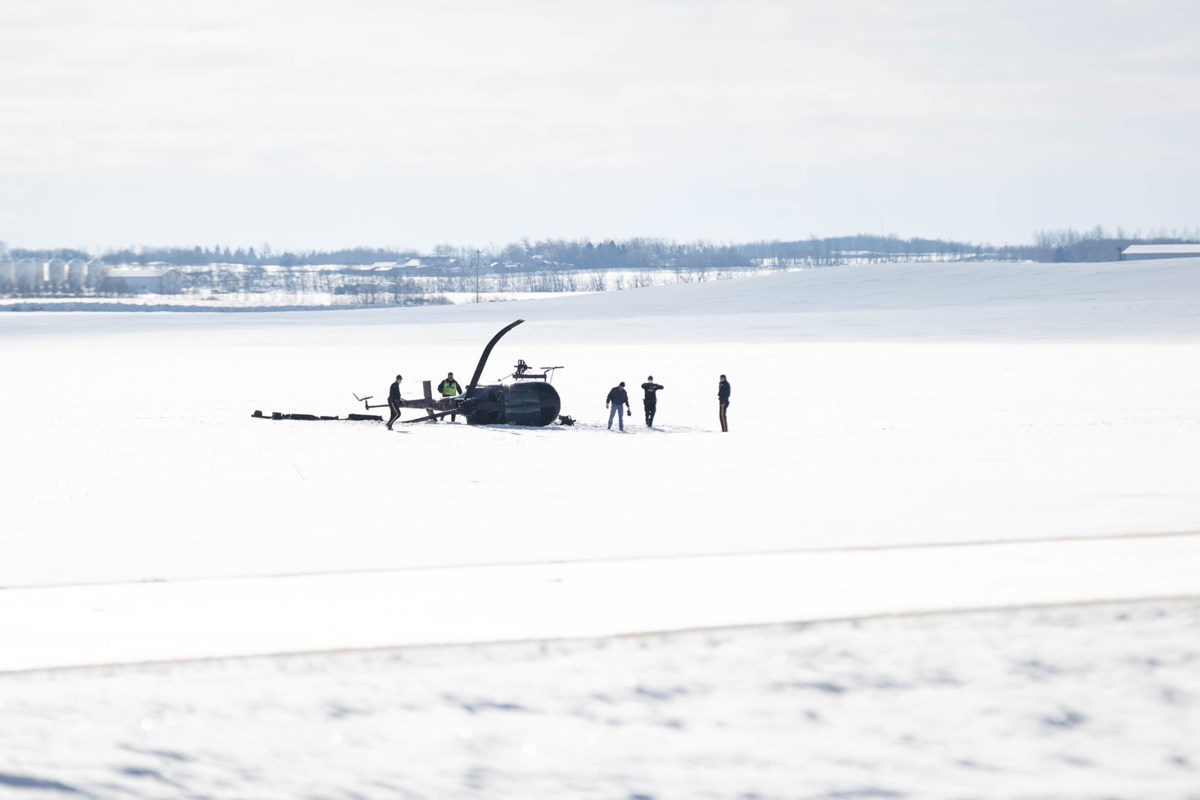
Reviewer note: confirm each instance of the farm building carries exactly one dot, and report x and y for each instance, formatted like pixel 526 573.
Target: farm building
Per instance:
pixel 56 272
pixel 145 280
pixel 76 274
pixel 1143 252
pixel 29 274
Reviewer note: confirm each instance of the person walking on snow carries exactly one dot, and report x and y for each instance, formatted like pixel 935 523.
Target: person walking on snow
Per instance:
pixel 723 398
pixel 617 397
pixel 450 388
pixel 650 400
pixel 394 401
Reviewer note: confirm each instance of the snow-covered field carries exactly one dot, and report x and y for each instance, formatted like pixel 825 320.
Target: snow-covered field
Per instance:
pixel 949 547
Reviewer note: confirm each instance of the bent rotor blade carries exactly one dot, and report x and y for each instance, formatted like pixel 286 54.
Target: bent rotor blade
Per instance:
pixel 487 351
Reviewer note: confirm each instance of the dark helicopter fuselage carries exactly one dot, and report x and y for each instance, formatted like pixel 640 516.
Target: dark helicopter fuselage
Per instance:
pixel 532 403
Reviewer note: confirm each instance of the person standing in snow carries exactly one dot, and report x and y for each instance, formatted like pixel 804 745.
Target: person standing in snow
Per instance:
pixel 617 397
pixel 650 400
pixel 450 388
pixel 723 398
pixel 394 401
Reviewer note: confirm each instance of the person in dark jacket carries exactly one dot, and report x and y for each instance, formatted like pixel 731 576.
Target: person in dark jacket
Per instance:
pixel 650 400
pixel 617 398
pixel 723 398
pixel 394 401
pixel 450 388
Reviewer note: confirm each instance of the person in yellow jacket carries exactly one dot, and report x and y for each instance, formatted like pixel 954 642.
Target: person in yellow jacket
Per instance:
pixel 450 388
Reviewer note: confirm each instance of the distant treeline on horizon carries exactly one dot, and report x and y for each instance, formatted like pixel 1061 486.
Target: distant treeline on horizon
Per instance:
pixel 641 253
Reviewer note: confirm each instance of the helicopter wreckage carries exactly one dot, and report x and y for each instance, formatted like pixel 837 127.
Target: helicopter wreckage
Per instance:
pixel 528 399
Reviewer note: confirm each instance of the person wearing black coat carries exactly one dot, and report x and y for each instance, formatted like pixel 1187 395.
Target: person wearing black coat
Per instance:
pixel 723 399
pixel 394 401
pixel 617 398
pixel 650 399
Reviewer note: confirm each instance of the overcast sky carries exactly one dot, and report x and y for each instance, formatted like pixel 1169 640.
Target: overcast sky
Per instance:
pixel 315 125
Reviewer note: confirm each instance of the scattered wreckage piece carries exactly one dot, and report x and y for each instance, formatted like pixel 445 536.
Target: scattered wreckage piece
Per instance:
pixel 319 418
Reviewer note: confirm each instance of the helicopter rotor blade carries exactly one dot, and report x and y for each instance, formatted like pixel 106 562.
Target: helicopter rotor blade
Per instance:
pixel 487 351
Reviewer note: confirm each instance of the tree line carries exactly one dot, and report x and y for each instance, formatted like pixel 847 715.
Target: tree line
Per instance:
pixel 1064 245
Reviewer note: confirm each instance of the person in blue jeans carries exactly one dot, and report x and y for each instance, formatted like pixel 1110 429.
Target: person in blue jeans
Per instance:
pixel 617 403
